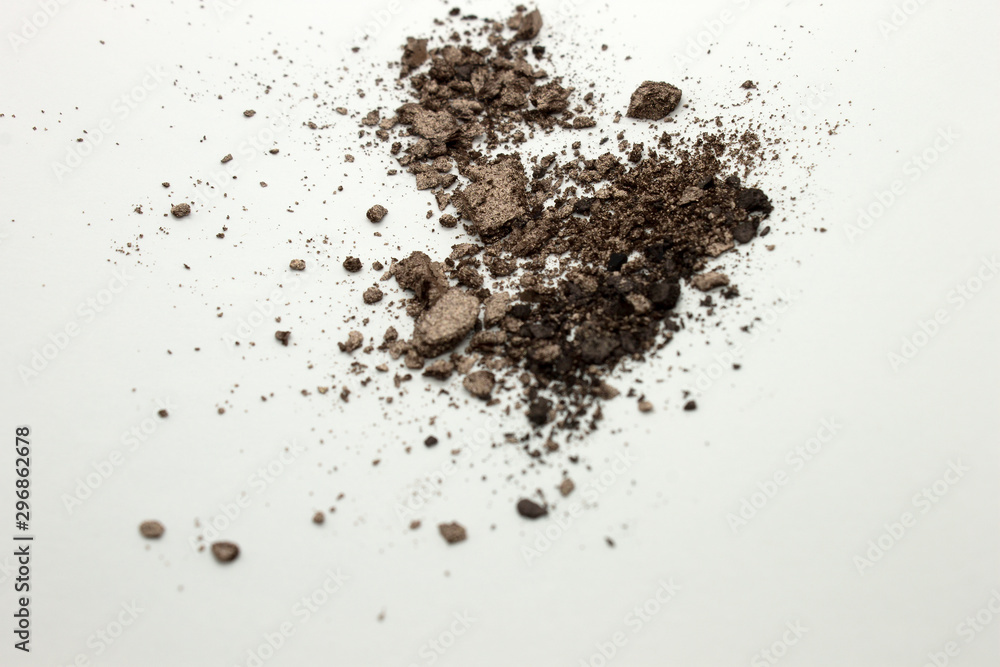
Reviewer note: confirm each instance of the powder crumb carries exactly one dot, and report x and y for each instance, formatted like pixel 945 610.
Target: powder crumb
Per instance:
pixel 440 369
pixel 354 340
pixel 446 323
pixel 709 281
pixel 529 509
pixel 479 384
pixel 452 532
pixel 151 529
pixel 225 552
pixel 653 100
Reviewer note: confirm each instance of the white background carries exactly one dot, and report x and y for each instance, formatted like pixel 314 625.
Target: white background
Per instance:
pixel 833 305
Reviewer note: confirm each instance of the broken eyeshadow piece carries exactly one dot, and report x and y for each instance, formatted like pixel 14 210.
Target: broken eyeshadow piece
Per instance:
pixel 653 100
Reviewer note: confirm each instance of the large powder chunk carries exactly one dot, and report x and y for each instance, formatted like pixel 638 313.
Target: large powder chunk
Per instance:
pixel 653 100
pixel 448 321
pixel 435 125
pixel 551 98
pixel 418 273
pixel 495 198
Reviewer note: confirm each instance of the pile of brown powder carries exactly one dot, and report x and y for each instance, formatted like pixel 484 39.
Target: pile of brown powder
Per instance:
pixel 575 264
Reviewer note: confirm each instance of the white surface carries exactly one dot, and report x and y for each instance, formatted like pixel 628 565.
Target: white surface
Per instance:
pixel 849 304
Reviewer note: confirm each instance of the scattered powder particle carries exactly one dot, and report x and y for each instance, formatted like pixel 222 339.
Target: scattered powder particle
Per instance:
pixel 151 529
pixel 180 210
pixel 249 113
pixel 479 384
pixel 225 552
pixel 566 486
pixel 283 336
pixel 297 265
pixel 690 405
pixel 452 532
pixel 352 264
pixel 319 518
pixel 376 213
pixel 529 509
pixel 538 411
pixel 227 158
pixel 645 406
pixel 372 295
